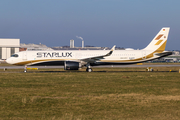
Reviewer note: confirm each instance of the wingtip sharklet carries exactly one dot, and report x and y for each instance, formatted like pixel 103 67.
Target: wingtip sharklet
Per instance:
pixel 113 48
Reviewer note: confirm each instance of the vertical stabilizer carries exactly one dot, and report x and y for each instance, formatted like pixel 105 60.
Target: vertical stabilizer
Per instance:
pixel 158 44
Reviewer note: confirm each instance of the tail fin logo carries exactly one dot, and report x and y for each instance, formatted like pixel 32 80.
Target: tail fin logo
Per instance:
pixel 158 37
pixel 158 42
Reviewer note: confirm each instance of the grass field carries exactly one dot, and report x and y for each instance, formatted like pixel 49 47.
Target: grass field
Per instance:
pixel 106 93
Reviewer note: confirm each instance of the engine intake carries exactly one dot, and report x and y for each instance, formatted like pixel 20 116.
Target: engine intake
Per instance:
pixel 70 65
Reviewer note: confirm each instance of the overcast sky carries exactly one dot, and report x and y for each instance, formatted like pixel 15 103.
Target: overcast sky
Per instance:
pixel 124 23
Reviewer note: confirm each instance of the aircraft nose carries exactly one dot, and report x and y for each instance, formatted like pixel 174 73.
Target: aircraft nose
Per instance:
pixel 8 61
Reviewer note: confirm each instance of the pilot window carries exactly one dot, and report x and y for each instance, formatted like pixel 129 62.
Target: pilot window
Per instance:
pixel 14 55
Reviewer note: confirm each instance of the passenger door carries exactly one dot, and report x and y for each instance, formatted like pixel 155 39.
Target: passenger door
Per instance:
pixel 24 55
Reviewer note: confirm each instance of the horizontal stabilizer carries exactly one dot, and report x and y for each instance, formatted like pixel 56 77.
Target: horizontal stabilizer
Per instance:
pixel 165 53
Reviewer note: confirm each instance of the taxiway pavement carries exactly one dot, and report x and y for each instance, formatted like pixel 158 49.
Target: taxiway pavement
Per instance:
pixel 122 66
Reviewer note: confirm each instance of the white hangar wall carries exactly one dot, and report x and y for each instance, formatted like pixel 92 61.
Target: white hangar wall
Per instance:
pixel 8 47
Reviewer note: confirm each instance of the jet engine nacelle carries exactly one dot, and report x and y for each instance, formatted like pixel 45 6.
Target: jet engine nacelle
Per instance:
pixel 70 65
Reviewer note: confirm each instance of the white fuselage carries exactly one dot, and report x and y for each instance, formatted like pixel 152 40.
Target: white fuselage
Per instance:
pixel 118 56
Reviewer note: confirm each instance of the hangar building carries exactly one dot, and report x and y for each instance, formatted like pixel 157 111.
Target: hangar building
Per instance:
pixel 8 47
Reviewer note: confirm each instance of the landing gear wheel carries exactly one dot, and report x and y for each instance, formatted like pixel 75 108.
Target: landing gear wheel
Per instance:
pixel 25 69
pixel 89 70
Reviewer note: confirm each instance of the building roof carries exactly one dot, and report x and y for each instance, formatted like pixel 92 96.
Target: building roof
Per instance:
pixel 9 42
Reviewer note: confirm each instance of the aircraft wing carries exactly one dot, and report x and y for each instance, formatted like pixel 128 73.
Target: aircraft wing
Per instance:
pixel 93 59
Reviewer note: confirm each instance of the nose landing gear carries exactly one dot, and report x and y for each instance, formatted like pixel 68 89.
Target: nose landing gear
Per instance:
pixel 25 69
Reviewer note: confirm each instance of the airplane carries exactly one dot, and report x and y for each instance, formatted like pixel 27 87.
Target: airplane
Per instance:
pixel 76 59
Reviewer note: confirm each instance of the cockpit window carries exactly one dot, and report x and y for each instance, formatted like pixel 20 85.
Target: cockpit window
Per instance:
pixel 14 55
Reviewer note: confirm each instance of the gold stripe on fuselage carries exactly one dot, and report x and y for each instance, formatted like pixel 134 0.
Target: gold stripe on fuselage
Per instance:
pixel 39 61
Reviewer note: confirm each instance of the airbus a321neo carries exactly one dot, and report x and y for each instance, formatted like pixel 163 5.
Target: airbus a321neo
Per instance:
pixel 75 59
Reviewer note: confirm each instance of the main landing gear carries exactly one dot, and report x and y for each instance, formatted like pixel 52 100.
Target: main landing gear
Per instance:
pixel 89 69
